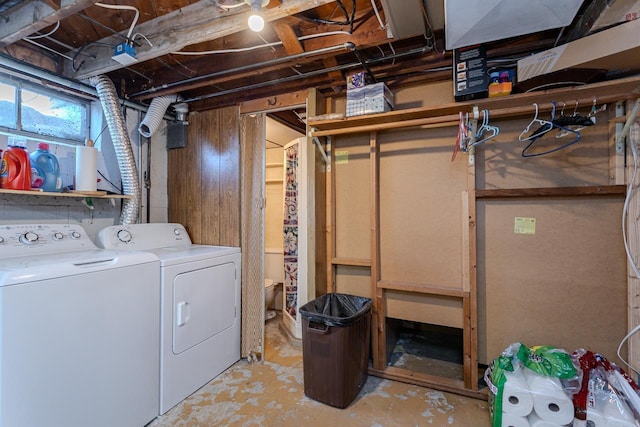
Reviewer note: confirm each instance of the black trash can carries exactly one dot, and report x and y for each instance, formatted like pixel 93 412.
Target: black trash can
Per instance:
pixel 336 331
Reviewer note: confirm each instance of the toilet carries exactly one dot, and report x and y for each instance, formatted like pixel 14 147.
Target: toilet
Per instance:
pixel 269 298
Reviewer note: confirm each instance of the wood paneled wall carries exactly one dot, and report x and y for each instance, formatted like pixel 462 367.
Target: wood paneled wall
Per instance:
pixel 204 179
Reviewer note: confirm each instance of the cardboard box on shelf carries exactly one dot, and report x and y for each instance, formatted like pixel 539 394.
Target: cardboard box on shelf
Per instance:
pixel 470 80
pixel 356 80
pixel 616 48
pixel 355 101
pixel 378 99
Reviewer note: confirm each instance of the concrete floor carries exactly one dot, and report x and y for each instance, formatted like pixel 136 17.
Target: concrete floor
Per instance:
pixel 271 394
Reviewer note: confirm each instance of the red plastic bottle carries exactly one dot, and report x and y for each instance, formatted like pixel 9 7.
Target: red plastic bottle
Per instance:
pixel 15 172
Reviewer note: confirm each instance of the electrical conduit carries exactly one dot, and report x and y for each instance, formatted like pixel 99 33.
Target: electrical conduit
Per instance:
pixel 122 145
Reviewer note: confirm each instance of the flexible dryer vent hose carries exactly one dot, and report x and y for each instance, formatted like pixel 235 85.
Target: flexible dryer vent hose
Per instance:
pixel 122 146
pixel 155 114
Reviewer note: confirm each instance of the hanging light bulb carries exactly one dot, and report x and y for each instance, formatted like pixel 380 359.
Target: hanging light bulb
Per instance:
pixel 256 22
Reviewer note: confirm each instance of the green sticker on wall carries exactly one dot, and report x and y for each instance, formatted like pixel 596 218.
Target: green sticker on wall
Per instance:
pixel 342 157
pixel 524 225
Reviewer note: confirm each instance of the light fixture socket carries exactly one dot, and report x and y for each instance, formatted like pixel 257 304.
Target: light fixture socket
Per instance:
pixel 255 21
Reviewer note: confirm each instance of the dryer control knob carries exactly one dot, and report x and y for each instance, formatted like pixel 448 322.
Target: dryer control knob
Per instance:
pixel 177 231
pixel 58 236
pixel 124 236
pixel 29 238
pixel 75 235
pixel 1 239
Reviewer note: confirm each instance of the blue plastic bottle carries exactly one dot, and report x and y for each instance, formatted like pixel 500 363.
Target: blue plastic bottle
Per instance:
pixel 45 168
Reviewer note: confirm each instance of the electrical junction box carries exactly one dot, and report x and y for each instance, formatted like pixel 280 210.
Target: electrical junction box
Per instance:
pixel 125 54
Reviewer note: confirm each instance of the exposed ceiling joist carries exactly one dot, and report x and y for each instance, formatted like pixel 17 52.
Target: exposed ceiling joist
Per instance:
pixel 33 16
pixel 288 37
pixel 195 23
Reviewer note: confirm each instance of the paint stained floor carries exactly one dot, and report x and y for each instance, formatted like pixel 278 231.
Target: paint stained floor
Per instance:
pixel 272 394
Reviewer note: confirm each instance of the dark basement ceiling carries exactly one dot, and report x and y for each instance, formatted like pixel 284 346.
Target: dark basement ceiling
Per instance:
pixel 82 44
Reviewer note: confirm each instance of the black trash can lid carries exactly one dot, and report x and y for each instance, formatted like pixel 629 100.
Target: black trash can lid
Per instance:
pixel 336 309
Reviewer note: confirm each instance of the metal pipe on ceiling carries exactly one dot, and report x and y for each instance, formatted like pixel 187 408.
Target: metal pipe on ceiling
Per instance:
pixel 38 75
pixel 275 61
pixel 421 50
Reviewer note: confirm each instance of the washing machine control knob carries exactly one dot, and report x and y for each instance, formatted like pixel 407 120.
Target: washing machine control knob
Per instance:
pixel 124 236
pixel 58 236
pixel 75 235
pixel 1 239
pixel 29 238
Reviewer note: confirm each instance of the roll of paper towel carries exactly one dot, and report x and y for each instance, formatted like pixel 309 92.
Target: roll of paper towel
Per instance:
pixel 596 417
pixel 511 420
pixel 536 421
pixel 617 413
pixel 516 397
pixel 86 168
pixel 550 402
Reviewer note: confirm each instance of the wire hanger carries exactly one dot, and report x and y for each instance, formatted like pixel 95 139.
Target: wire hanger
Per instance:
pixel 484 128
pixel 575 121
pixel 534 138
pixel 545 126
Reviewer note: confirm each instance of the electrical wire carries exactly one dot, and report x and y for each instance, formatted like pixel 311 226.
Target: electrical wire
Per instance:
pixel 231 6
pixel 39 36
pixel 375 9
pixel 143 36
pixel 112 184
pixel 250 48
pixel 634 136
pixel 123 7
pixel 48 48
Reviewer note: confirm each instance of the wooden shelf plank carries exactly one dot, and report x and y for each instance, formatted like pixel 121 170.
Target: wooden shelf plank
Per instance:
pixel 507 106
pixel 426 380
pixel 356 262
pixel 423 289
pixel 37 193
pixel 590 190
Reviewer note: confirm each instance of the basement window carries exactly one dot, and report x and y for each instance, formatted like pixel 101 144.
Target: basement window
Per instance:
pixel 41 114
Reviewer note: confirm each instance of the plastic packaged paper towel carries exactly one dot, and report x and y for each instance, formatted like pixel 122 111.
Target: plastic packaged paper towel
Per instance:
pixel 608 397
pixel 554 379
pixel 550 402
pixel 86 168
pixel 511 420
pixel 516 396
pixel 536 421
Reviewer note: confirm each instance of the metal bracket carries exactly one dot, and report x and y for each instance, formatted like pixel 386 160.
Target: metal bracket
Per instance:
pixel 619 141
pixel 472 134
pixel 326 154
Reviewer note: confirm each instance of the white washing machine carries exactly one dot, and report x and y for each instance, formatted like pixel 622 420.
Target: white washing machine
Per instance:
pixel 78 330
pixel 200 304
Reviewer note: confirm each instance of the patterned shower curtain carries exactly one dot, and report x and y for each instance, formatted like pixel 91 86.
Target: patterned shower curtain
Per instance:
pixel 291 230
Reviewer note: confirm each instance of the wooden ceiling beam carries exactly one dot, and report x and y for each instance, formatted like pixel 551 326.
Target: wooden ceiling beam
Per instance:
pixel 288 38
pixel 29 17
pixel 196 23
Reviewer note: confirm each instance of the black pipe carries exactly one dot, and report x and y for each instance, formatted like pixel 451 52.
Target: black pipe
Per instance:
pixel 344 46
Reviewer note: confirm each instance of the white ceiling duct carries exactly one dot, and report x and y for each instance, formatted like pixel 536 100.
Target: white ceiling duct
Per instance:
pixel 472 22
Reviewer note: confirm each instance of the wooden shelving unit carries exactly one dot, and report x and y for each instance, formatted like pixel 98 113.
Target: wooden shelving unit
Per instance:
pixel 516 105
pixel 513 106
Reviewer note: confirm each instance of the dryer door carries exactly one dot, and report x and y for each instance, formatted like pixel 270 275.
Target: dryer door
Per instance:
pixel 203 304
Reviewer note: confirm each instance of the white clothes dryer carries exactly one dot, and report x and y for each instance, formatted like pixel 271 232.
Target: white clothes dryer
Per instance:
pixel 200 304
pixel 78 330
